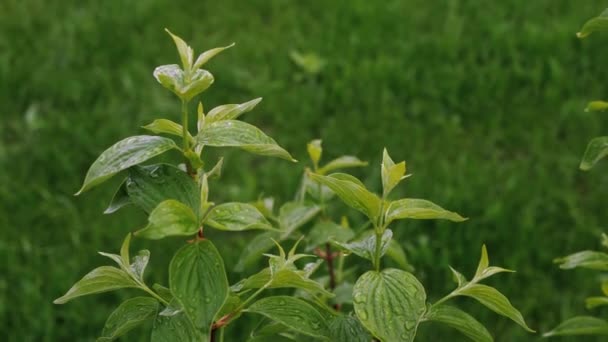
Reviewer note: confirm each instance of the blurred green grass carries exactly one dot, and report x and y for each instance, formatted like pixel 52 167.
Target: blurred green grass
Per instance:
pixel 483 100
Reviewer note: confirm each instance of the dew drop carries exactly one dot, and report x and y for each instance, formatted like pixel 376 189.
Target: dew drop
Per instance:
pixel 362 315
pixel 207 300
pixel 360 298
pixel 281 302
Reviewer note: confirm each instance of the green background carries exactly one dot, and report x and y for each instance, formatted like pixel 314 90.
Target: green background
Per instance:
pixel 484 100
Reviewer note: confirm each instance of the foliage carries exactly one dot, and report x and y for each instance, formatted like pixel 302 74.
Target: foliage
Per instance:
pixel 596 150
pixel 199 304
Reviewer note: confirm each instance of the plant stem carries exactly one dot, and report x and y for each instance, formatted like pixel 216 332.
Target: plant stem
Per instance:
pixel 153 294
pixel 186 142
pixel 378 250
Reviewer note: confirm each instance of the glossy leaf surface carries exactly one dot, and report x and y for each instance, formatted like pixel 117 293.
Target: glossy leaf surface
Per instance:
pixel 101 279
pixel 198 281
pixel 596 150
pixel 169 218
pixel 233 133
pixel 582 325
pixel 124 154
pixel 412 208
pixel 461 321
pixel 390 304
pixel 230 111
pixel 129 314
pixel 236 216
pixel 295 313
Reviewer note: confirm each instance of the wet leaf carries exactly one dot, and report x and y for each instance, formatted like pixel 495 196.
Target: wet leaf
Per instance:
pixel 346 328
pixel 120 199
pixel 169 218
pixel 172 77
pixel 294 313
pixel 390 304
pixel 419 209
pixel 177 327
pixel 124 154
pixel 365 246
pixel 129 314
pixel 495 301
pixel 185 52
pixel 198 281
pixel 235 216
pixel 392 173
pixel 582 325
pixel 207 55
pixel 352 192
pixel 596 150
pixel 101 279
pixel 148 186
pixel 460 321
pixel 167 127
pixel 233 133
pixel 230 111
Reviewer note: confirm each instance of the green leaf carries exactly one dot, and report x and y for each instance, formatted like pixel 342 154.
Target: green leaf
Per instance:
pixel 596 106
pixel 352 192
pixel 129 314
pixel 390 304
pixel 392 173
pixel 460 279
pixel 169 218
pixel 139 263
pixel 101 279
pixel 585 259
pixel 124 154
pixel 173 78
pixel 295 313
pixel 595 24
pixel 396 252
pixel 148 186
pixel 207 55
pixel 365 246
pixel 294 215
pixel 495 301
pixel 326 231
pixel 230 111
pixel 175 327
pixel 419 209
pixel 582 325
pixel 254 249
pixel 346 328
pixel 594 302
pixel 461 321
pixel 596 150
pixel 198 281
pixel 234 133
pixel 124 250
pixel 343 162
pixel 167 127
pixel 120 199
pixel 235 216
pixel 319 192
pixel 163 292
pixel 484 270
pixel 315 150
pixel 185 52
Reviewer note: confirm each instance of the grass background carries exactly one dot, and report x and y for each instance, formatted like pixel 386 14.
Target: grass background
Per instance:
pixel 484 101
